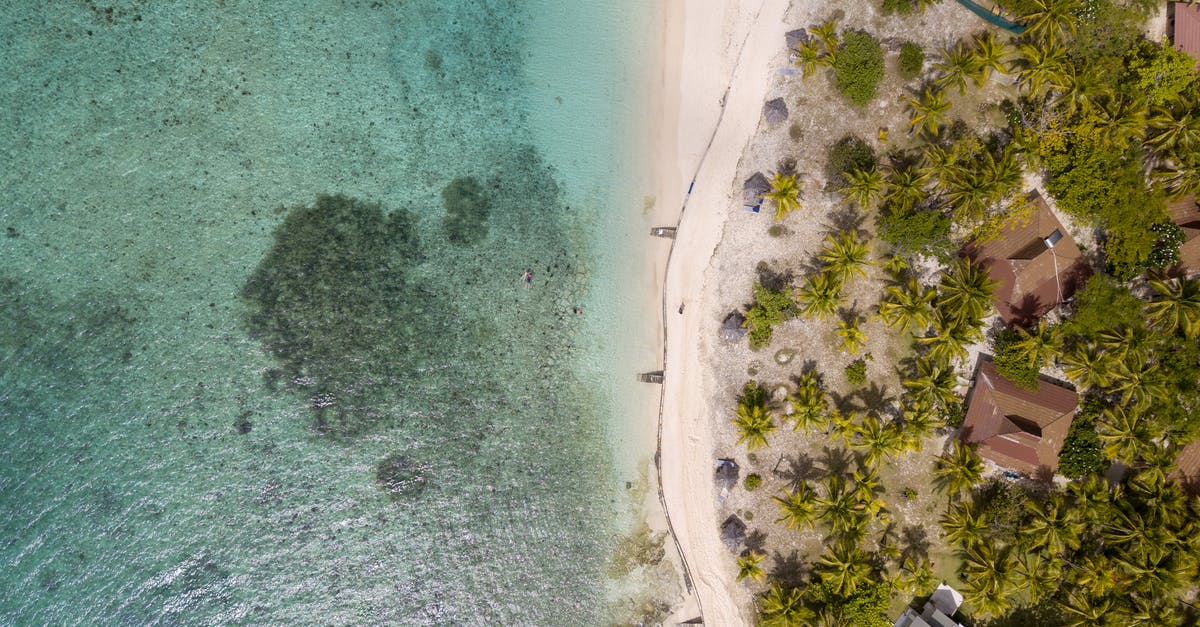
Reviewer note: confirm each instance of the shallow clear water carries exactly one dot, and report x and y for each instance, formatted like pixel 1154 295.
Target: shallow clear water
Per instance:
pixel 160 461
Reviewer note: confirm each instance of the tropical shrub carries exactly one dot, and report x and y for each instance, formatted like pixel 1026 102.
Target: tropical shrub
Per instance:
pixel 917 232
pixel 1011 364
pixel 1080 455
pixel 858 67
pixel 1166 249
pixel 847 154
pixel 856 372
pixel 770 308
pixel 752 482
pixel 912 59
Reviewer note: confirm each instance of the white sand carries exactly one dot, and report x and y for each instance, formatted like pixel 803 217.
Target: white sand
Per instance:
pixel 729 52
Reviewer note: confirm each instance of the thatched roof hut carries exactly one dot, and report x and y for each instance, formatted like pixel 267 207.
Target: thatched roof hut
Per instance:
pixel 726 475
pixel 796 37
pixel 732 329
pixel 733 532
pixel 754 188
pixel 775 111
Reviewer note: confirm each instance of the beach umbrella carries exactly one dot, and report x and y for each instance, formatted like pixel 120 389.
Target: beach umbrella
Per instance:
pixel 775 111
pixel 796 37
pixel 726 475
pixel 754 188
pixel 732 329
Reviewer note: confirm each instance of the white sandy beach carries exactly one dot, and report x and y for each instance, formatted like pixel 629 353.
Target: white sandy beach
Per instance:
pixel 717 68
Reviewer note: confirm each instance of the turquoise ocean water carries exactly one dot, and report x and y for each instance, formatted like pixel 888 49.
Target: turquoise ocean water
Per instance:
pixel 202 366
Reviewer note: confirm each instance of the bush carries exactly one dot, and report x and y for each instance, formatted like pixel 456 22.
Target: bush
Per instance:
pixel 752 482
pixel 909 493
pixel 912 59
pixel 770 308
pixel 856 372
pixel 849 153
pixel 1166 249
pixel 1012 366
pixel 917 232
pixel 902 7
pixel 1080 455
pixel 858 67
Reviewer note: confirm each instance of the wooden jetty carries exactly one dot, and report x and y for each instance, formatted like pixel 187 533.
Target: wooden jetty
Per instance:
pixel 651 377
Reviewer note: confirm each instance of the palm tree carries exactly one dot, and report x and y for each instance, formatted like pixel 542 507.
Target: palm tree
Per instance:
pixel 1051 21
pixel 1036 575
pixel 785 191
pixel 968 191
pixel 916 579
pixel 933 384
pixel 821 294
pixel 853 338
pixel 1124 433
pixel 809 57
pixel 1181 180
pixel 965 290
pixel 1177 306
pixel 877 440
pixel 1085 610
pixel 1002 172
pixel 1138 384
pixel 809 403
pixel 963 525
pixel 1054 526
pixel 1125 343
pixel 928 110
pixel 958 469
pixel 840 508
pixel 783 607
pixel 748 566
pixel 1174 130
pixel 1041 67
pixel 908 308
pixel 827 33
pixel 906 188
pixel 863 186
pixel 956 67
pixel 1039 346
pixel 1087 366
pixel 843 424
pixel 844 566
pixel 799 507
pixel 753 421
pixel 951 337
pixel 845 255
pixel 990 574
pixel 988 56
pixel 918 421
pixel 1121 119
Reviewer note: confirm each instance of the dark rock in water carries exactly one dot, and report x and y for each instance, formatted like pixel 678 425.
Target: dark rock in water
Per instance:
pixel 400 476
pixel 466 211
pixel 11 232
pixel 243 425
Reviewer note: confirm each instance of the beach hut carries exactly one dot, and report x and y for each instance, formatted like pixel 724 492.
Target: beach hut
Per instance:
pixel 725 477
pixel 732 329
pixel 775 111
pixel 733 532
pixel 753 190
pixel 795 38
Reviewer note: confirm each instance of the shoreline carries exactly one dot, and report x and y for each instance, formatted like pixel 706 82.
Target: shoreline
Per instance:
pixel 698 150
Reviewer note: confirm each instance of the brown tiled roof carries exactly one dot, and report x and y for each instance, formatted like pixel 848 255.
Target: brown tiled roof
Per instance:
pixel 1186 213
pixel 1186 34
pixel 1017 428
pixel 1024 268
pixel 1187 470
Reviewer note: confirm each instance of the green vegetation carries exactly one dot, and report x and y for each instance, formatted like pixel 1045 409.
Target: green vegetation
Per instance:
pixel 916 232
pixel 1011 362
pixel 849 154
pixel 770 308
pixel 856 372
pixel 912 60
pixel 785 193
pixel 642 547
pixel 400 477
pixel 858 68
pixel 752 482
pixel 753 419
pixel 1080 455
pixel 748 567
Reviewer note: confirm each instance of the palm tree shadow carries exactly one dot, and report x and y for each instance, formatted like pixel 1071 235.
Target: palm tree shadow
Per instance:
pixel 847 218
pixel 835 460
pixel 851 314
pixel 875 398
pixel 914 543
pixel 789 570
pixel 800 469
pixel 773 280
pixel 756 541
pixel 846 403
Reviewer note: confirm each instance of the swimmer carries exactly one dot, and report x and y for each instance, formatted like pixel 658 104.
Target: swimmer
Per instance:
pixel 527 277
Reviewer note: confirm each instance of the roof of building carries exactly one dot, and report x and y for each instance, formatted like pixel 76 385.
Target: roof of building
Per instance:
pixel 1187 468
pixel 1035 263
pixel 1186 213
pixel 1186 34
pixel 1017 428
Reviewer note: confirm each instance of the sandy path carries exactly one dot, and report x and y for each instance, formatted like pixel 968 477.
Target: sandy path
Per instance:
pixel 729 47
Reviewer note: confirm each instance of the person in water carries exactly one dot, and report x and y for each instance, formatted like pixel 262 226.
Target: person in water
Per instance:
pixel 527 277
